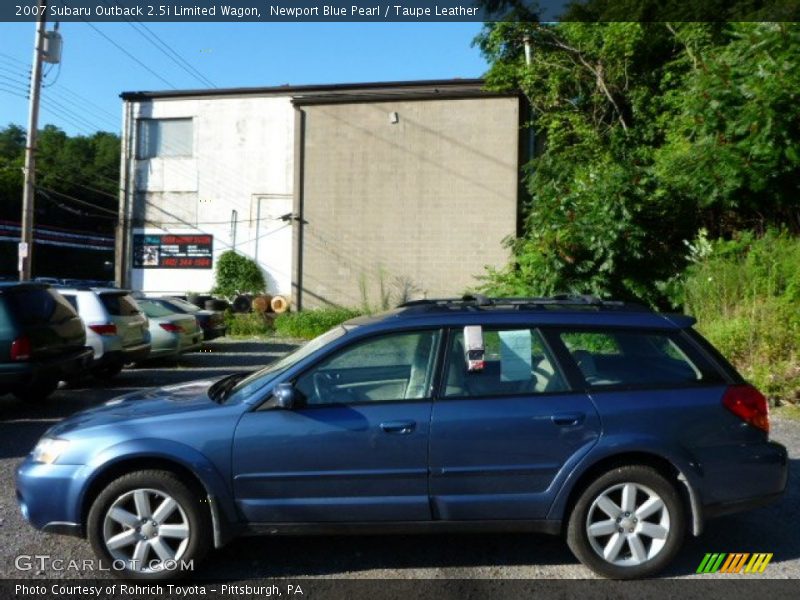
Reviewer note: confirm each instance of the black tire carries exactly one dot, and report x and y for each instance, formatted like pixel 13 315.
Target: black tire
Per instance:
pixel 36 391
pixel 106 372
pixel 242 303
pixel 192 509
pixel 642 476
pixel 214 304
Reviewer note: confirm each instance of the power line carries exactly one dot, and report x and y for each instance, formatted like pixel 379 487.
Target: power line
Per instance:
pixel 8 57
pixel 55 108
pixel 78 200
pixel 69 112
pixel 15 72
pixel 77 96
pixel 69 107
pixel 128 54
pixel 188 66
pixel 13 93
pixel 163 47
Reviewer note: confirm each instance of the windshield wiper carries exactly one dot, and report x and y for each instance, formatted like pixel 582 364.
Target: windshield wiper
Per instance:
pixel 220 390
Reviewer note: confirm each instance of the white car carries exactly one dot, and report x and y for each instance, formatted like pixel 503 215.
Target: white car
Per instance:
pixel 116 328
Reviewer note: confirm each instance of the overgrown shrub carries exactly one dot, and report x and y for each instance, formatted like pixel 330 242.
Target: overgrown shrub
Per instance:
pixel 308 324
pixel 746 296
pixel 247 324
pixel 237 274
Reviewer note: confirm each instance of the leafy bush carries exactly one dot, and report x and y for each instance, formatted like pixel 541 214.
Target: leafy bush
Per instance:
pixel 745 295
pixel 237 274
pixel 308 324
pixel 247 324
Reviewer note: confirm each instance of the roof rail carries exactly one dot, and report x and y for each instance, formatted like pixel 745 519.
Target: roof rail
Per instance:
pixel 478 301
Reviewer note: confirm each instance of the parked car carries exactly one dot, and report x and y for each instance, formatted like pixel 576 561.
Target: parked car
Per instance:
pixel 171 333
pixel 211 321
pixel 620 428
pixel 116 328
pixel 42 340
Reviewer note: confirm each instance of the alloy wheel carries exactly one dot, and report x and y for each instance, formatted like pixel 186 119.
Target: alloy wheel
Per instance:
pixel 146 529
pixel 628 524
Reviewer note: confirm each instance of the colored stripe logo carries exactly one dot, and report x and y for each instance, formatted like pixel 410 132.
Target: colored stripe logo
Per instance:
pixel 736 562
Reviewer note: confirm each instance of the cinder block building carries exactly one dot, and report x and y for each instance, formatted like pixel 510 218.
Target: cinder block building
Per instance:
pixel 343 194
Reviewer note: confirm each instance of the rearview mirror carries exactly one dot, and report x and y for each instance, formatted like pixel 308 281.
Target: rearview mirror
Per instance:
pixel 283 396
pixel 473 348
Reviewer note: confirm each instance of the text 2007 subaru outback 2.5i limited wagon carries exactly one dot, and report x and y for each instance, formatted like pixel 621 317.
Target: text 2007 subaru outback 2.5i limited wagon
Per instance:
pixel 620 428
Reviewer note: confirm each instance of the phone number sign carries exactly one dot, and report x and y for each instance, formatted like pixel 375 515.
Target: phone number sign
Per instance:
pixel 172 251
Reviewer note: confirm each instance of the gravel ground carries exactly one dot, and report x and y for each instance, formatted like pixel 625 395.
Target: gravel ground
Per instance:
pixel 771 529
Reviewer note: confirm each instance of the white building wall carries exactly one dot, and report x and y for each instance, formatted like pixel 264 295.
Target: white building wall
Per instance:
pixel 242 158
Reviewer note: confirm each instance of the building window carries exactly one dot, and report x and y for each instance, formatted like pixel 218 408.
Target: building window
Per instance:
pixel 165 138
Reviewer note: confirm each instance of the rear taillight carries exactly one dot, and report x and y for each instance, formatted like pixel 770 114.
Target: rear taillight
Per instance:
pixel 21 348
pixel 108 329
pixel 171 327
pixel 747 403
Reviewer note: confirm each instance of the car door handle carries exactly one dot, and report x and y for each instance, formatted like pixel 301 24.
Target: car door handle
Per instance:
pixel 566 419
pixel 401 427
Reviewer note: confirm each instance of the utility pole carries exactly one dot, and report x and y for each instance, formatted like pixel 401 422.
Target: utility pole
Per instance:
pixel 25 251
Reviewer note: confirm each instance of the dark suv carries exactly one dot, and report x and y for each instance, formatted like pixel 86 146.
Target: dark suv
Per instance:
pixel 617 427
pixel 42 340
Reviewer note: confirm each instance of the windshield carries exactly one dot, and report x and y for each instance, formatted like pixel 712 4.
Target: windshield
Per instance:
pixel 250 385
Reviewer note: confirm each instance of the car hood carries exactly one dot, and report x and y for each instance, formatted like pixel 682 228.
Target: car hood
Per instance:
pixel 170 400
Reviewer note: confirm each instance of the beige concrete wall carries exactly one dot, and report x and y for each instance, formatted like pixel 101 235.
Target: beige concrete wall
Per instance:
pixel 422 204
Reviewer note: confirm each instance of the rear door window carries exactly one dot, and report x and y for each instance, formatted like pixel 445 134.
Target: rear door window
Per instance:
pixel 632 359
pixel 516 361
pixel 39 306
pixel 119 305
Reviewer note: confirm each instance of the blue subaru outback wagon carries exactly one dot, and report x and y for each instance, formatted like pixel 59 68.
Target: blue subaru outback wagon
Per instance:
pixel 616 427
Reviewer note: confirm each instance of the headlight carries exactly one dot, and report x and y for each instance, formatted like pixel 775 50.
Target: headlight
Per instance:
pixel 48 450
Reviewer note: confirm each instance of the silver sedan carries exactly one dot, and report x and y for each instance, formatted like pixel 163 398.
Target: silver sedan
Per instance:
pixel 171 333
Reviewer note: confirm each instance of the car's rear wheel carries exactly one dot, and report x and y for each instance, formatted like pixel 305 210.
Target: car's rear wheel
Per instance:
pixel 628 523
pixel 149 525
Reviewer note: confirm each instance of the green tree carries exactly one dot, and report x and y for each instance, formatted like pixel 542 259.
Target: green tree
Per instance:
pixel 71 171
pixel 620 110
pixel 237 274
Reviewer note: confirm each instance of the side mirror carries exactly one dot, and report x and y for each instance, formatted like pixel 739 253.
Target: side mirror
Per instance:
pixel 283 396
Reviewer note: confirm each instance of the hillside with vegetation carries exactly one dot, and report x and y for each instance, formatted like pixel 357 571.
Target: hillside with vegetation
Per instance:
pixel 667 171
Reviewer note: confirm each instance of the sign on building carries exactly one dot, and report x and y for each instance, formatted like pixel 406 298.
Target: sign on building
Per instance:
pixel 172 251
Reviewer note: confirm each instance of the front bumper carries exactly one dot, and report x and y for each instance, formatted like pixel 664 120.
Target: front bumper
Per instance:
pixel 49 496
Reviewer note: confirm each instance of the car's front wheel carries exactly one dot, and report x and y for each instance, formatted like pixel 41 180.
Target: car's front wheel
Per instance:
pixel 149 525
pixel 628 523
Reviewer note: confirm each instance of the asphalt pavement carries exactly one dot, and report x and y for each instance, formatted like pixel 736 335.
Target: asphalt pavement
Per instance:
pixel 465 556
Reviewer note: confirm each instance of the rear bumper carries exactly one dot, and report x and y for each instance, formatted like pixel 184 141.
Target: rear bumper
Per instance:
pixel 718 510
pixel 758 477
pixel 59 368
pixel 135 353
